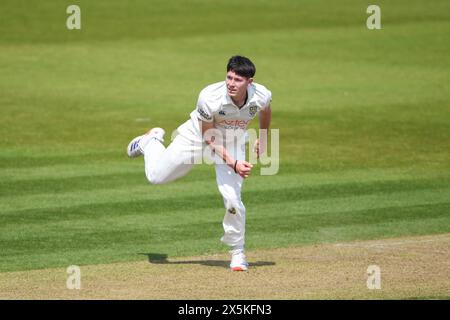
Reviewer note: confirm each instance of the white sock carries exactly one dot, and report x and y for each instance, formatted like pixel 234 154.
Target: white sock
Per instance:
pixel 237 249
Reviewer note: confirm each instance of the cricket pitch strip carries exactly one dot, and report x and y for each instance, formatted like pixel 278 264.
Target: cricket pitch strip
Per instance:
pixel 409 268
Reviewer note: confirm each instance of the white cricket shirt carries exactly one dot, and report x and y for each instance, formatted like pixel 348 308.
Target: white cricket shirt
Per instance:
pixel 215 105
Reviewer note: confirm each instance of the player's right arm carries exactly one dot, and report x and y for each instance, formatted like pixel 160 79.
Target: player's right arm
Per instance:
pixel 211 138
pixel 205 115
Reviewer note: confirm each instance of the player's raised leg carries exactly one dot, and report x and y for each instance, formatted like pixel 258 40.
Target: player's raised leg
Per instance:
pixel 162 164
pixel 135 147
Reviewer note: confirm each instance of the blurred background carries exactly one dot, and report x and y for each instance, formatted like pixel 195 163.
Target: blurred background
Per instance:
pixel 364 120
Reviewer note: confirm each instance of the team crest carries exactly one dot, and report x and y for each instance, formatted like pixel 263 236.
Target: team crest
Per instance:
pixel 232 211
pixel 252 111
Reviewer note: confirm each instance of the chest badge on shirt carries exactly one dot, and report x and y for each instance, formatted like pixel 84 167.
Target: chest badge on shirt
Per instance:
pixel 252 111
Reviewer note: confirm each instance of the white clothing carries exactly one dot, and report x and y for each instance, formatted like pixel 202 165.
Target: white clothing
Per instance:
pixel 214 104
pixel 163 165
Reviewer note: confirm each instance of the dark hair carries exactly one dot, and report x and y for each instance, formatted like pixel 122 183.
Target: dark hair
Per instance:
pixel 241 66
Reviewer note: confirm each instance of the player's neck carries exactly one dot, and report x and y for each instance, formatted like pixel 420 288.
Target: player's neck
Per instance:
pixel 242 101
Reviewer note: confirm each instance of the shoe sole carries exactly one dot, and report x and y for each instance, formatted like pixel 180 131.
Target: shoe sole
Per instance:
pixel 129 146
pixel 239 269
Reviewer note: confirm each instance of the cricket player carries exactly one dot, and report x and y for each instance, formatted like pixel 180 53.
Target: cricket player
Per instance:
pixel 218 123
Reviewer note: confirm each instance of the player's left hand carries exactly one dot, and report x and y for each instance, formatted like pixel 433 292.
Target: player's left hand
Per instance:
pixel 243 168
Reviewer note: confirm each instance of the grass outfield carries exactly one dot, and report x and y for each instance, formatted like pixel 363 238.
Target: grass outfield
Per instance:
pixel 364 119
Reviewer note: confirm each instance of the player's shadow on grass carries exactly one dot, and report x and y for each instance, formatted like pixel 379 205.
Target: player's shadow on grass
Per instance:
pixel 161 258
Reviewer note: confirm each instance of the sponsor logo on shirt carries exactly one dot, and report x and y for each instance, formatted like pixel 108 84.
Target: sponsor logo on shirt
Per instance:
pixel 203 113
pixel 228 124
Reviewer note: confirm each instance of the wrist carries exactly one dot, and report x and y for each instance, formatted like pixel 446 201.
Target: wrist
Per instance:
pixel 234 167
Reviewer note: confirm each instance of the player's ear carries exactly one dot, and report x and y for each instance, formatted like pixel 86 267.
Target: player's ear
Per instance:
pixel 250 80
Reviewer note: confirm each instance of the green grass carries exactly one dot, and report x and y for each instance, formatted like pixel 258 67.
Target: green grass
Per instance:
pixel 364 119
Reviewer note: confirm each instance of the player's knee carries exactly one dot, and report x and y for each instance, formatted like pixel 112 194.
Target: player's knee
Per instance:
pixel 155 179
pixel 235 204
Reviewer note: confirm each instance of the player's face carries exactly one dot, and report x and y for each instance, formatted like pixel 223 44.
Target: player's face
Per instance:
pixel 237 85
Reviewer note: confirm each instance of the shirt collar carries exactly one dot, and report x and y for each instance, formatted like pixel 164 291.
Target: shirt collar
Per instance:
pixel 250 91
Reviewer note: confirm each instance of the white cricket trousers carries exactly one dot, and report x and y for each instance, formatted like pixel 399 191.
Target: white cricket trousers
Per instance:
pixel 163 165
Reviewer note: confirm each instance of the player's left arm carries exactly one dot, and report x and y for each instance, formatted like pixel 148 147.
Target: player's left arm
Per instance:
pixel 241 167
pixel 265 117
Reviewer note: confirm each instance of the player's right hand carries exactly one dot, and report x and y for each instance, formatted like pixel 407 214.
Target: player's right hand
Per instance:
pixel 243 168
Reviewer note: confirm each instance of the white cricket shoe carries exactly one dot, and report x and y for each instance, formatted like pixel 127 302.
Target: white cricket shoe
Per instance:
pixel 136 146
pixel 238 261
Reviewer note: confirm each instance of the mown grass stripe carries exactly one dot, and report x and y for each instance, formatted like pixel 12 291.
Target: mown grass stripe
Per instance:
pixel 211 198
pixel 112 218
pixel 57 195
pixel 64 171
pixel 116 181
pixel 98 240
pixel 52 186
pixel 100 167
pixel 32 177
pixel 355 217
pixel 333 234
pixel 22 160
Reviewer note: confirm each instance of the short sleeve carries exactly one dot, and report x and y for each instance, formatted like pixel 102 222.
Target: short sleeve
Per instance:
pixel 267 99
pixel 204 112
